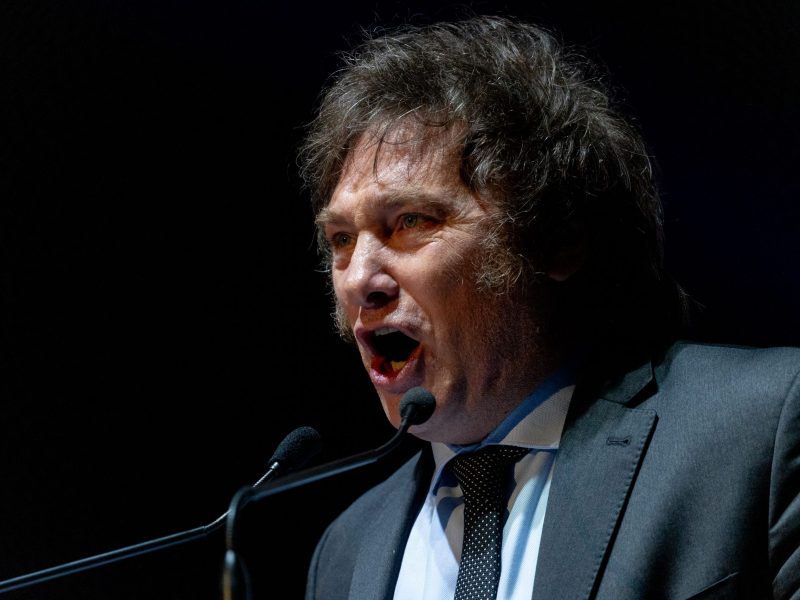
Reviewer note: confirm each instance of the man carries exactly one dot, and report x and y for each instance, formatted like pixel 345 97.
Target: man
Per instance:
pixel 493 235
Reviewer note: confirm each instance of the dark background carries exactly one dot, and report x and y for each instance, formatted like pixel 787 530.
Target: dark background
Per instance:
pixel 163 323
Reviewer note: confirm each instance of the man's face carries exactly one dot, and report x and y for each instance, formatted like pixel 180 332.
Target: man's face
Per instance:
pixel 407 239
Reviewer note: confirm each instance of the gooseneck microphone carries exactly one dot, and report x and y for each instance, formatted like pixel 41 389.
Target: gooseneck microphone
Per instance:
pixel 416 407
pixel 293 452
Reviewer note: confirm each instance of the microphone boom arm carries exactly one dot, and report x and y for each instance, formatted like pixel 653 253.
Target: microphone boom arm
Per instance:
pixel 416 407
pixel 105 558
pixel 312 474
pixel 294 448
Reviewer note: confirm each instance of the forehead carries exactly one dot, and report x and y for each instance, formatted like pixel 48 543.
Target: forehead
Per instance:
pixel 414 159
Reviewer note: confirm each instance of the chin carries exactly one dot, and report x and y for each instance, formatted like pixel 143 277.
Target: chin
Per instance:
pixel 431 431
pixel 423 433
pixel 391 408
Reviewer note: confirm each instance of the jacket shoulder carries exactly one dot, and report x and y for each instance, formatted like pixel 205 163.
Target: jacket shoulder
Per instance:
pixel 375 520
pixel 377 496
pixel 731 367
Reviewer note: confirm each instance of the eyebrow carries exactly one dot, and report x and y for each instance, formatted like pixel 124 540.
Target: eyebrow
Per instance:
pixel 389 201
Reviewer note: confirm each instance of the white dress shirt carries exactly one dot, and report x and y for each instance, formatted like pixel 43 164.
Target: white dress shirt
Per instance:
pixel 430 561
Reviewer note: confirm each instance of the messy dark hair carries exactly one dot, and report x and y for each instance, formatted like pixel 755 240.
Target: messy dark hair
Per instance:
pixel 540 135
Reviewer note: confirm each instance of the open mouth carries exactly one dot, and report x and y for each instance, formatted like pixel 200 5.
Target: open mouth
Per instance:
pixel 391 350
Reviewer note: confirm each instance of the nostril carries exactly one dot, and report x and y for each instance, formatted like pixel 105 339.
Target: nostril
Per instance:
pixel 377 299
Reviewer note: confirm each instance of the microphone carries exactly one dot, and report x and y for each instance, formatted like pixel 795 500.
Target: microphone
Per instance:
pixel 293 452
pixel 416 407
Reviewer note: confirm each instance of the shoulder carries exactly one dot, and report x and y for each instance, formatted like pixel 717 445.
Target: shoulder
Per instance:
pixel 737 369
pixel 393 495
pixel 374 520
pixel 734 354
pixel 379 496
pixel 733 391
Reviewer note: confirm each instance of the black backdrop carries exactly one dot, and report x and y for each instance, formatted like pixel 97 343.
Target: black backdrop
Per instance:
pixel 163 323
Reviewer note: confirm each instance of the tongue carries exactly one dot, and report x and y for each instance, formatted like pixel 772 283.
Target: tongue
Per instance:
pixel 387 366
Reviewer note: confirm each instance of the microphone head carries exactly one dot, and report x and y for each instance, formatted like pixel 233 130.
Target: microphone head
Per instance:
pixel 417 406
pixel 297 448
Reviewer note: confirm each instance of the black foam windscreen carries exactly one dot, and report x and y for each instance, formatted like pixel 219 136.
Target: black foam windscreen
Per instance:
pixel 417 405
pixel 297 448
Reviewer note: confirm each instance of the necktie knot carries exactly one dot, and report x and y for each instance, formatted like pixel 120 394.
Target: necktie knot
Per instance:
pixel 483 477
pixel 482 474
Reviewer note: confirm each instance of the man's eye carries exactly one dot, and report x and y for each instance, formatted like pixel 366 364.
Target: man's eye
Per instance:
pixel 340 240
pixel 410 220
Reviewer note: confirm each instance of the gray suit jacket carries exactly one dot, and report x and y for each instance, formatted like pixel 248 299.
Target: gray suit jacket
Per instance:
pixel 681 479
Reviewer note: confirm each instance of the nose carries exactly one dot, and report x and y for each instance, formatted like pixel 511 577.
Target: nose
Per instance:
pixel 367 281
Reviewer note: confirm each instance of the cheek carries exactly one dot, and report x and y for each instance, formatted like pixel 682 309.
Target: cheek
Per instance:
pixel 447 266
pixel 339 297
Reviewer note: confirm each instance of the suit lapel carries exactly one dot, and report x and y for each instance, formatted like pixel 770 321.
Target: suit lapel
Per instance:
pixel 379 558
pixel 601 448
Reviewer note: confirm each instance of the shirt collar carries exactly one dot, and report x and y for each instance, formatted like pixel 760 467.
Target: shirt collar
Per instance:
pixel 536 423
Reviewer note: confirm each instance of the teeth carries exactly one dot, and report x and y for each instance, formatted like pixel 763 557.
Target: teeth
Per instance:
pixel 384 331
pixel 397 365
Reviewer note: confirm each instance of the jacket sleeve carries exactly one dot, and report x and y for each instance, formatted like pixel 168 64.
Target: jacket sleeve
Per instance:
pixel 313 569
pixel 784 509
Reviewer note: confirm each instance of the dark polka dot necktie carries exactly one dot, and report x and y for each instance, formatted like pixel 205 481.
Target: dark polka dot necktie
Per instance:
pixel 483 477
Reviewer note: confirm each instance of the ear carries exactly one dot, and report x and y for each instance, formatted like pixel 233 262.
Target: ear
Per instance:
pixel 567 262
